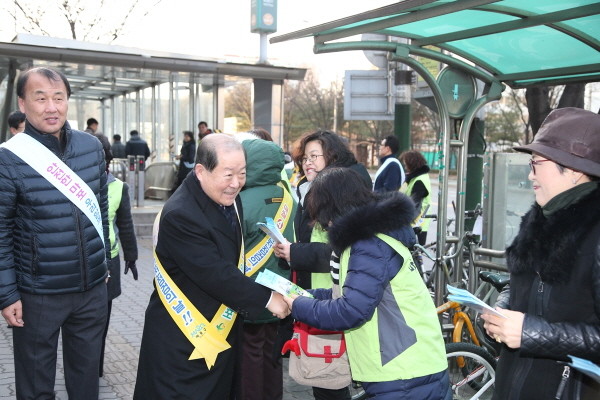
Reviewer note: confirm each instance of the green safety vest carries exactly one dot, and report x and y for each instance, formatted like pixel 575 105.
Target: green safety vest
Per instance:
pixel 418 344
pixel 421 222
pixel 115 192
pixel 320 280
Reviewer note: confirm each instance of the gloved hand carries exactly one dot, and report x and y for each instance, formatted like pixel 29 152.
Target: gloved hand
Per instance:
pixel 130 265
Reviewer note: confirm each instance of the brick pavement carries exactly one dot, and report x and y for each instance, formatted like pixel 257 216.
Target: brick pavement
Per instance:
pixel 122 345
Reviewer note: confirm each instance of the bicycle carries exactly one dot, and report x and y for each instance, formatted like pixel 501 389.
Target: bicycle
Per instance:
pixel 472 371
pixel 451 262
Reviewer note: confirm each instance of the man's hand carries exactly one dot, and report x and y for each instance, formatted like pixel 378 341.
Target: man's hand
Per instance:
pixel 13 314
pixel 278 306
pixel 290 300
pixel 130 265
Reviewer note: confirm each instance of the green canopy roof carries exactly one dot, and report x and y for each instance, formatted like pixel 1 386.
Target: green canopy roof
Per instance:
pixel 518 42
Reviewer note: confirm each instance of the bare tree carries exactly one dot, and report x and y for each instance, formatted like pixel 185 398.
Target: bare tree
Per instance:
pixel 101 21
pixel 542 100
pixel 238 104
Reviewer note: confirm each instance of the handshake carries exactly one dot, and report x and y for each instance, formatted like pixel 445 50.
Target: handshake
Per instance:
pixel 278 306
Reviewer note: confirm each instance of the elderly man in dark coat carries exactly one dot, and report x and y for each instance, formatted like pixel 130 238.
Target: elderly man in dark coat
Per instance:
pixel 200 287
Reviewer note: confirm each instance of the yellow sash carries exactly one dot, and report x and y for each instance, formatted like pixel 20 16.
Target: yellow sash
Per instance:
pixel 258 256
pixel 208 338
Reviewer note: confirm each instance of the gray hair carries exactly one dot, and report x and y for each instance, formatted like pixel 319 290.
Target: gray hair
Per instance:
pixel 207 150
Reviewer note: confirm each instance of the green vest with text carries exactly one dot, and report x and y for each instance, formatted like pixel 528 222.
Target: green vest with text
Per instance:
pixel 415 348
pixel 320 280
pixel 115 192
pixel 421 222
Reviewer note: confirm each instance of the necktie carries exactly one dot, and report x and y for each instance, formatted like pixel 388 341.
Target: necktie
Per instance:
pixel 229 213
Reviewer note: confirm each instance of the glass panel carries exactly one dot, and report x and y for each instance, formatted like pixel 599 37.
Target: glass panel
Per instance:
pixel 529 49
pixel 457 21
pixel 588 25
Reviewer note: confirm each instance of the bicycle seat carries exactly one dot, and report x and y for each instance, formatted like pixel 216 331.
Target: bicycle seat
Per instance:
pixel 498 280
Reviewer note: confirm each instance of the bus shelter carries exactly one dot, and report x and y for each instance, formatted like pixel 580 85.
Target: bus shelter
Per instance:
pixel 159 94
pixel 485 45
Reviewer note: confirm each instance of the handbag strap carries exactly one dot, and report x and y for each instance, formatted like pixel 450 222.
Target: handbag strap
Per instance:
pixel 327 354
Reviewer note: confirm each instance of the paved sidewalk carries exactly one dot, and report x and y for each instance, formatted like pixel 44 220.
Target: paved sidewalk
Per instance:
pixel 122 345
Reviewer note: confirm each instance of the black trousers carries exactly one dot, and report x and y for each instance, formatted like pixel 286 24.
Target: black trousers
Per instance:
pixel 81 317
pixel 262 372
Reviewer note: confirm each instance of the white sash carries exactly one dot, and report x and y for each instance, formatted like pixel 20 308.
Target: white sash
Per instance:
pixel 385 164
pixel 51 168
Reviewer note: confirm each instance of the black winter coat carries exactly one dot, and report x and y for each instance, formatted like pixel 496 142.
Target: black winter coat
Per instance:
pixel 47 244
pixel 136 146
pixel 199 251
pixel 555 280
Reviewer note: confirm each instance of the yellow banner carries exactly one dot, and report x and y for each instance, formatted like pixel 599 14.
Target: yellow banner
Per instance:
pixel 208 338
pixel 258 256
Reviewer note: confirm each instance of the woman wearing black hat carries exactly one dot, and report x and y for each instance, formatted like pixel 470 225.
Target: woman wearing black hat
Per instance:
pixel 553 304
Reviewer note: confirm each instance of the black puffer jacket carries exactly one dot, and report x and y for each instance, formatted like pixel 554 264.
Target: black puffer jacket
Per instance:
pixel 555 280
pixel 47 245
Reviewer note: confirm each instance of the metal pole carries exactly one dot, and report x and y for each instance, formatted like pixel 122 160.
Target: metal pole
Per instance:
pixel 444 146
pixel 262 59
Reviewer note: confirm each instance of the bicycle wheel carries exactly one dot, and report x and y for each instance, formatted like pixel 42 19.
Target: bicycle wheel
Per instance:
pixel 472 371
pixel 356 391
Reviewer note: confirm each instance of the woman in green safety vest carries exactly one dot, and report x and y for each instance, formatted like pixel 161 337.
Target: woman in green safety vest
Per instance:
pixel 418 187
pixel 393 337
pixel 309 255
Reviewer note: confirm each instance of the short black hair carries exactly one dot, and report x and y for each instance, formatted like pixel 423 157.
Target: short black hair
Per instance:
pixel 49 73
pixel 134 132
pixel 202 123
pixel 15 119
pixel 393 143
pixel 334 192
pixel 91 121
pixel 117 137
pixel 189 134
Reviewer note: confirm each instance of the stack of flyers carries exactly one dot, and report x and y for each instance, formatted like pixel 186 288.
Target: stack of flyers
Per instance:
pixel 271 229
pixel 585 366
pixel 465 298
pixel 280 284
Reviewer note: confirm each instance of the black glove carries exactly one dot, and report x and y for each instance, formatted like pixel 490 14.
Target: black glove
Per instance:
pixel 130 265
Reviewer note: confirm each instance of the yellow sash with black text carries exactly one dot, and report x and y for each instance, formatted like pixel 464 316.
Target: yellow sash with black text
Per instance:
pixel 207 337
pixel 259 254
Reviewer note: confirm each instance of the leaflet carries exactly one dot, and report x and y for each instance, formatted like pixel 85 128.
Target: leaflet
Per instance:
pixel 271 229
pixel 585 366
pixel 466 298
pixel 279 284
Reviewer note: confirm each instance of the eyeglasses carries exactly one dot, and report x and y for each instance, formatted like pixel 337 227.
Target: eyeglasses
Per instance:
pixel 312 158
pixel 533 163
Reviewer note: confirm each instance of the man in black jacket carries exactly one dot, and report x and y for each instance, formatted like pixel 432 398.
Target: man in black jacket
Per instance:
pixel 53 226
pixel 136 146
pixel 191 340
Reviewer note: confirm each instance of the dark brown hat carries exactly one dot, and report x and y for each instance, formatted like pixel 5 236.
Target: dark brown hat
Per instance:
pixel 570 137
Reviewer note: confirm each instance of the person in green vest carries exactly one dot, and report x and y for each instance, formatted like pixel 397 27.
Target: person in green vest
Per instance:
pixel 393 336
pixel 418 188
pixel 121 236
pixel 309 257
pixel 264 195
